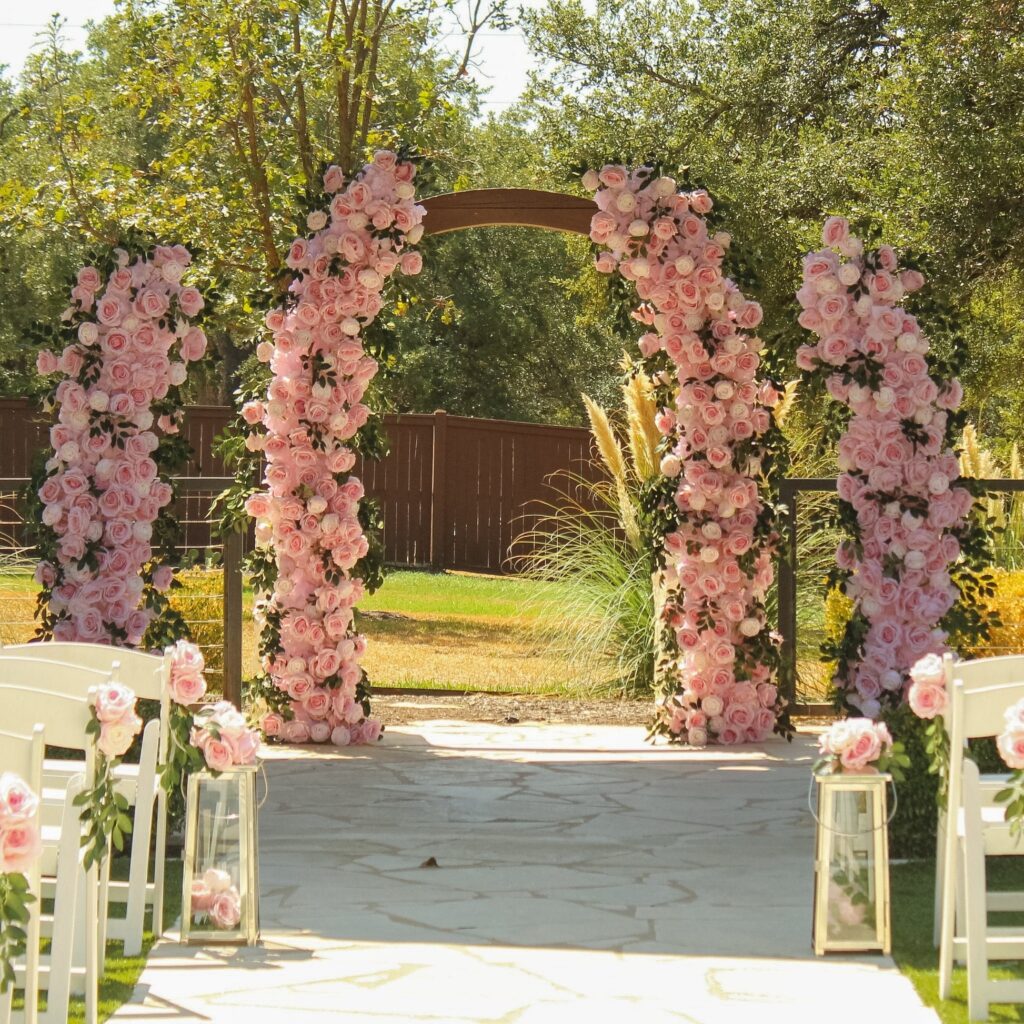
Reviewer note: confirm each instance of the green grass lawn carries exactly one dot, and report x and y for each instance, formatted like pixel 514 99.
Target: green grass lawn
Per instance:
pixel 912 896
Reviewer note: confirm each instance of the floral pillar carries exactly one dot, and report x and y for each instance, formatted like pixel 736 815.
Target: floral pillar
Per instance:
pixel 716 417
pixel 308 513
pixel 128 335
pixel 900 504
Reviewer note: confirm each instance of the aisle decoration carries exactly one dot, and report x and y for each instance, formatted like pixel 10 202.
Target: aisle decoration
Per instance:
pixel 105 532
pixel 860 746
pixel 310 517
pixel 113 727
pixel 20 848
pixel 1010 744
pixel 928 699
pixel 716 673
pixel 903 506
pixel 214 737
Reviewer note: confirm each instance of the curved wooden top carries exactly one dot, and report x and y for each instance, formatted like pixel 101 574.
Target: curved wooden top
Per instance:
pixel 492 207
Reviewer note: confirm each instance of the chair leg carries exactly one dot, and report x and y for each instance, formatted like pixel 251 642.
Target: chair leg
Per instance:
pixel 159 863
pixel 138 873
pixel 940 880
pixel 93 957
pixel 948 901
pixel 975 919
pixel 31 1014
pixel 65 916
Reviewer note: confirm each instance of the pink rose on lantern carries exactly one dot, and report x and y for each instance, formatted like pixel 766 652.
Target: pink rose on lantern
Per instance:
pixel 226 910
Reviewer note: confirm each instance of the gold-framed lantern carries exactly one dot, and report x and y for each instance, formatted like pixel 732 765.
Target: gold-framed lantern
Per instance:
pixel 221 884
pixel 851 867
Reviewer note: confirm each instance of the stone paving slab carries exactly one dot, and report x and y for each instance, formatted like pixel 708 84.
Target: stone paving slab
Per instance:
pixel 583 876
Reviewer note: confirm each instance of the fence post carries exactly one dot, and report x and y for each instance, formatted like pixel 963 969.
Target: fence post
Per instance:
pixel 787 590
pixel 438 503
pixel 232 556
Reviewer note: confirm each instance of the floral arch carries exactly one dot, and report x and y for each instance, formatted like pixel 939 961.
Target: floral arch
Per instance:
pixel 717 660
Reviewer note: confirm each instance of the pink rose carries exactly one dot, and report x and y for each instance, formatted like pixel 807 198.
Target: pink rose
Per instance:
pixel 20 847
pixel 113 701
pixel 226 910
pixel 18 804
pixel 218 754
pixel 927 700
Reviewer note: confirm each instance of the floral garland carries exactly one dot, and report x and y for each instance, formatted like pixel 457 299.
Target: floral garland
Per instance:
pixel 928 699
pixel 128 335
pixel 717 677
pixel 113 727
pixel 1010 744
pixel 20 847
pixel 309 517
pixel 214 736
pixel 860 746
pixel 901 503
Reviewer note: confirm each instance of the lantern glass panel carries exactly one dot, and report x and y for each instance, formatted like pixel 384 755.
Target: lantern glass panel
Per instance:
pixel 852 877
pixel 219 898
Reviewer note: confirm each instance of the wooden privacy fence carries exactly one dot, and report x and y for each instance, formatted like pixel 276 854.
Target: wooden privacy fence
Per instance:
pixel 455 490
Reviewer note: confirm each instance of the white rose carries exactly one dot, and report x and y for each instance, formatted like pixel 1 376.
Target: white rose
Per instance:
pixel 685 265
pixel 906 342
pixel 914 560
pixel 405 190
pixel 640 267
pixel 177 373
pixel 663 187
pixel 626 202
pixel 350 326
pixel 698 500
pixel 88 332
pixel 849 274
pixel 750 626
pixel 316 505
pixel 317 220
pixel 99 400
pixel 709 555
pixel 723 239
pixel 938 483
pixel 172 272
pixel 715 300
pixel 591 181
pixel 638 228
pixel 712 531
pixel 724 390
pixel 671 466
pixel 414 234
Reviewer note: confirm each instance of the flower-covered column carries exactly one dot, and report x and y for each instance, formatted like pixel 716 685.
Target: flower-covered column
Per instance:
pixel 900 503
pixel 719 535
pixel 129 333
pixel 308 513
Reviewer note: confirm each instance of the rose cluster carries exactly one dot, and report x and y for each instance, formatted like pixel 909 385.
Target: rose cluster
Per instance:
pixel 130 337
pixel 855 745
pixel 187 683
pixel 1010 741
pixel 220 733
pixel 927 694
pixel 897 473
pixel 216 899
pixel 20 843
pixel 700 347
pixel 309 511
pixel 113 707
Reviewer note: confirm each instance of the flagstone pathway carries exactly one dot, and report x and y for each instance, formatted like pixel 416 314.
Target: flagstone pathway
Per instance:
pixel 582 875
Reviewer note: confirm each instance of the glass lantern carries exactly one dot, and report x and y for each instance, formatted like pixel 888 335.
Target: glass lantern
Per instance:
pixel 851 871
pixel 220 898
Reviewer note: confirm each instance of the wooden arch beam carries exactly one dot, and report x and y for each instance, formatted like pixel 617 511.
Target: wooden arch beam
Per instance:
pixel 517 207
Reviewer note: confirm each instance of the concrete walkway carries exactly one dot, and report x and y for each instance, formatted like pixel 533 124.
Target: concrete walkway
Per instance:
pixel 583 876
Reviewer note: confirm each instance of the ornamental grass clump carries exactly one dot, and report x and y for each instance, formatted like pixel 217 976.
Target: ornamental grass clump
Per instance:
pixel 593 547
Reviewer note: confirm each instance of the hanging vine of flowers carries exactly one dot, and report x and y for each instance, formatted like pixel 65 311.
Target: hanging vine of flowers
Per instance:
pixel 311 522
pixel 105 530
pixel 717 669
pixel 913 559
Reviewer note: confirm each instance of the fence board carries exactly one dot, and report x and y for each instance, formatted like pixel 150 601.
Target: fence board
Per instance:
pixel 492 475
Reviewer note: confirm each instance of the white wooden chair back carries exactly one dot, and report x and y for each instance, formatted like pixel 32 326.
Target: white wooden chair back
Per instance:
pixel 55 698
pixel 148 675
pixel 23 755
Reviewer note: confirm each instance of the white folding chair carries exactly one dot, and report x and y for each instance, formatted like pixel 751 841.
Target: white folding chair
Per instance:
pixel 23 755
pixel 973 674
pixel 976 828
pixel 75 889
pixel 149 676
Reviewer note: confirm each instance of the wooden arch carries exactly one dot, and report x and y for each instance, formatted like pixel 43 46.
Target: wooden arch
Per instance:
pixel 493 207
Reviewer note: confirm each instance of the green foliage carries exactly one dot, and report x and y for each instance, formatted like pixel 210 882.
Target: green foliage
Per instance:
pixel 15 899
pixel 104 811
